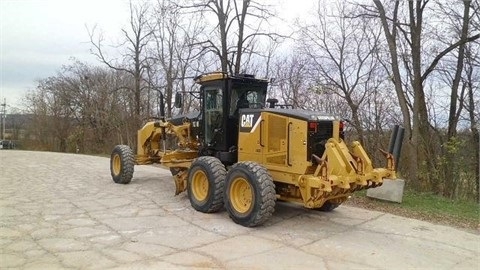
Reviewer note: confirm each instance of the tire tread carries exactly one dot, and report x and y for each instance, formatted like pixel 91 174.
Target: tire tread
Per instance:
pixel 127 160
pixel 218 171
pixel 266 190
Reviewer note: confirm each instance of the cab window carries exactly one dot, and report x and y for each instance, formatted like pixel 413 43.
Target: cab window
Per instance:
pixel 245 97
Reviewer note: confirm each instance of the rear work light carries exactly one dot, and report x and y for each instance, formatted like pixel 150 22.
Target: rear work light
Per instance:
pixel 312 127
pixel 341 128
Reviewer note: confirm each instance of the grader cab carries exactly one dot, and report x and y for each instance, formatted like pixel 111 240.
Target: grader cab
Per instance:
pixel 242 154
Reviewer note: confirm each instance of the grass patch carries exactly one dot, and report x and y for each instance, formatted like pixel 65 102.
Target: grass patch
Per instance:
pixel 425 206
pixel 434 204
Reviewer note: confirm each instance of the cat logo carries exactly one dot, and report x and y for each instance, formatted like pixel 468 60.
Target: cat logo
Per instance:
pixel 246 121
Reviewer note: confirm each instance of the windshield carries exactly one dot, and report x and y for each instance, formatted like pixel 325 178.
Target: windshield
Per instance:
pixel 247 96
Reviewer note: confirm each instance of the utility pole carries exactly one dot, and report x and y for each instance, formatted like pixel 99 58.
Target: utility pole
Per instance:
pixel 4 115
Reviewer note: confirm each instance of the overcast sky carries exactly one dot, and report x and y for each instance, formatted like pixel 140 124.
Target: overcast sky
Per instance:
pixel 37 37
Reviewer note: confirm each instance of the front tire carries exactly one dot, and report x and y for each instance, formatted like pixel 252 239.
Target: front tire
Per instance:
pixel 122 162
pixel 249 194
pixel 206 178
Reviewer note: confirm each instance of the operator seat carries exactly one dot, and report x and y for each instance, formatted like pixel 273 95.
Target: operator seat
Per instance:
pixel 242 103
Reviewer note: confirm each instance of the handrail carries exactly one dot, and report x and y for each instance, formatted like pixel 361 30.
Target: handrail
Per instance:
pixel 288 144
pixel 261 133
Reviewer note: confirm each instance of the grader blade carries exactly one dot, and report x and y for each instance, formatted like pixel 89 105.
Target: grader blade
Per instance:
pixel 179 176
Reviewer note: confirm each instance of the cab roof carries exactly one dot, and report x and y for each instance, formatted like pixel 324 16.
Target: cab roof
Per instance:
pixel 213 76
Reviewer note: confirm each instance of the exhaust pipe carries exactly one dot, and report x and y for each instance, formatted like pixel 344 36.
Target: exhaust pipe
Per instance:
pixel 396 141
pixel 162 117
pixel 391 145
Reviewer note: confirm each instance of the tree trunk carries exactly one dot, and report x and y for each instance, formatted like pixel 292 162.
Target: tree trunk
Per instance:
pixel 391 37
pixel 453 116
pixel 222 27
pixel 474 125
pixel 241 25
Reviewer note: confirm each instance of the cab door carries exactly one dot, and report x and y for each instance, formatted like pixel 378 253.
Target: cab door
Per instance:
pixel 213 116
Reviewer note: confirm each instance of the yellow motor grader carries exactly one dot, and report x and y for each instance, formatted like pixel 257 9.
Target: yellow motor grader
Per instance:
pixel 242 152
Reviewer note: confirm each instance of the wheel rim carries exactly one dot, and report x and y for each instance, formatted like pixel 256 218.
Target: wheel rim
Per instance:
pixel 241 195
pixel 200 185
pixel 116 164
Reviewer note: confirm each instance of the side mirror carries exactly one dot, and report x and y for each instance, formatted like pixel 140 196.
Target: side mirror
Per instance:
pixel 178 100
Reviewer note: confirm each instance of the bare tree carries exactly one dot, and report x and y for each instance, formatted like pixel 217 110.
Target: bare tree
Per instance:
pixel 134 61
pixel 51 118
pixel 75 109
pixel 291 82
pixel 236 36
pixel 471 82
pixel 461 29
pixel 173 54
pixel 409 31
pixel 343 58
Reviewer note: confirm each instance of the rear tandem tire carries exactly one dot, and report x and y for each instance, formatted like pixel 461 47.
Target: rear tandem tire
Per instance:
pixel 328 206
pixel 206 178
pixel 249 194
pixel 122 162
pixel 332 204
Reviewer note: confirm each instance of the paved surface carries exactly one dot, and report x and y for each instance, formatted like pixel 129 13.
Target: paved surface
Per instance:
pixel 64 211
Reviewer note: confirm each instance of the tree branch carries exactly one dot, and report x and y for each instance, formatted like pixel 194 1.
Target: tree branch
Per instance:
pixel 445 52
